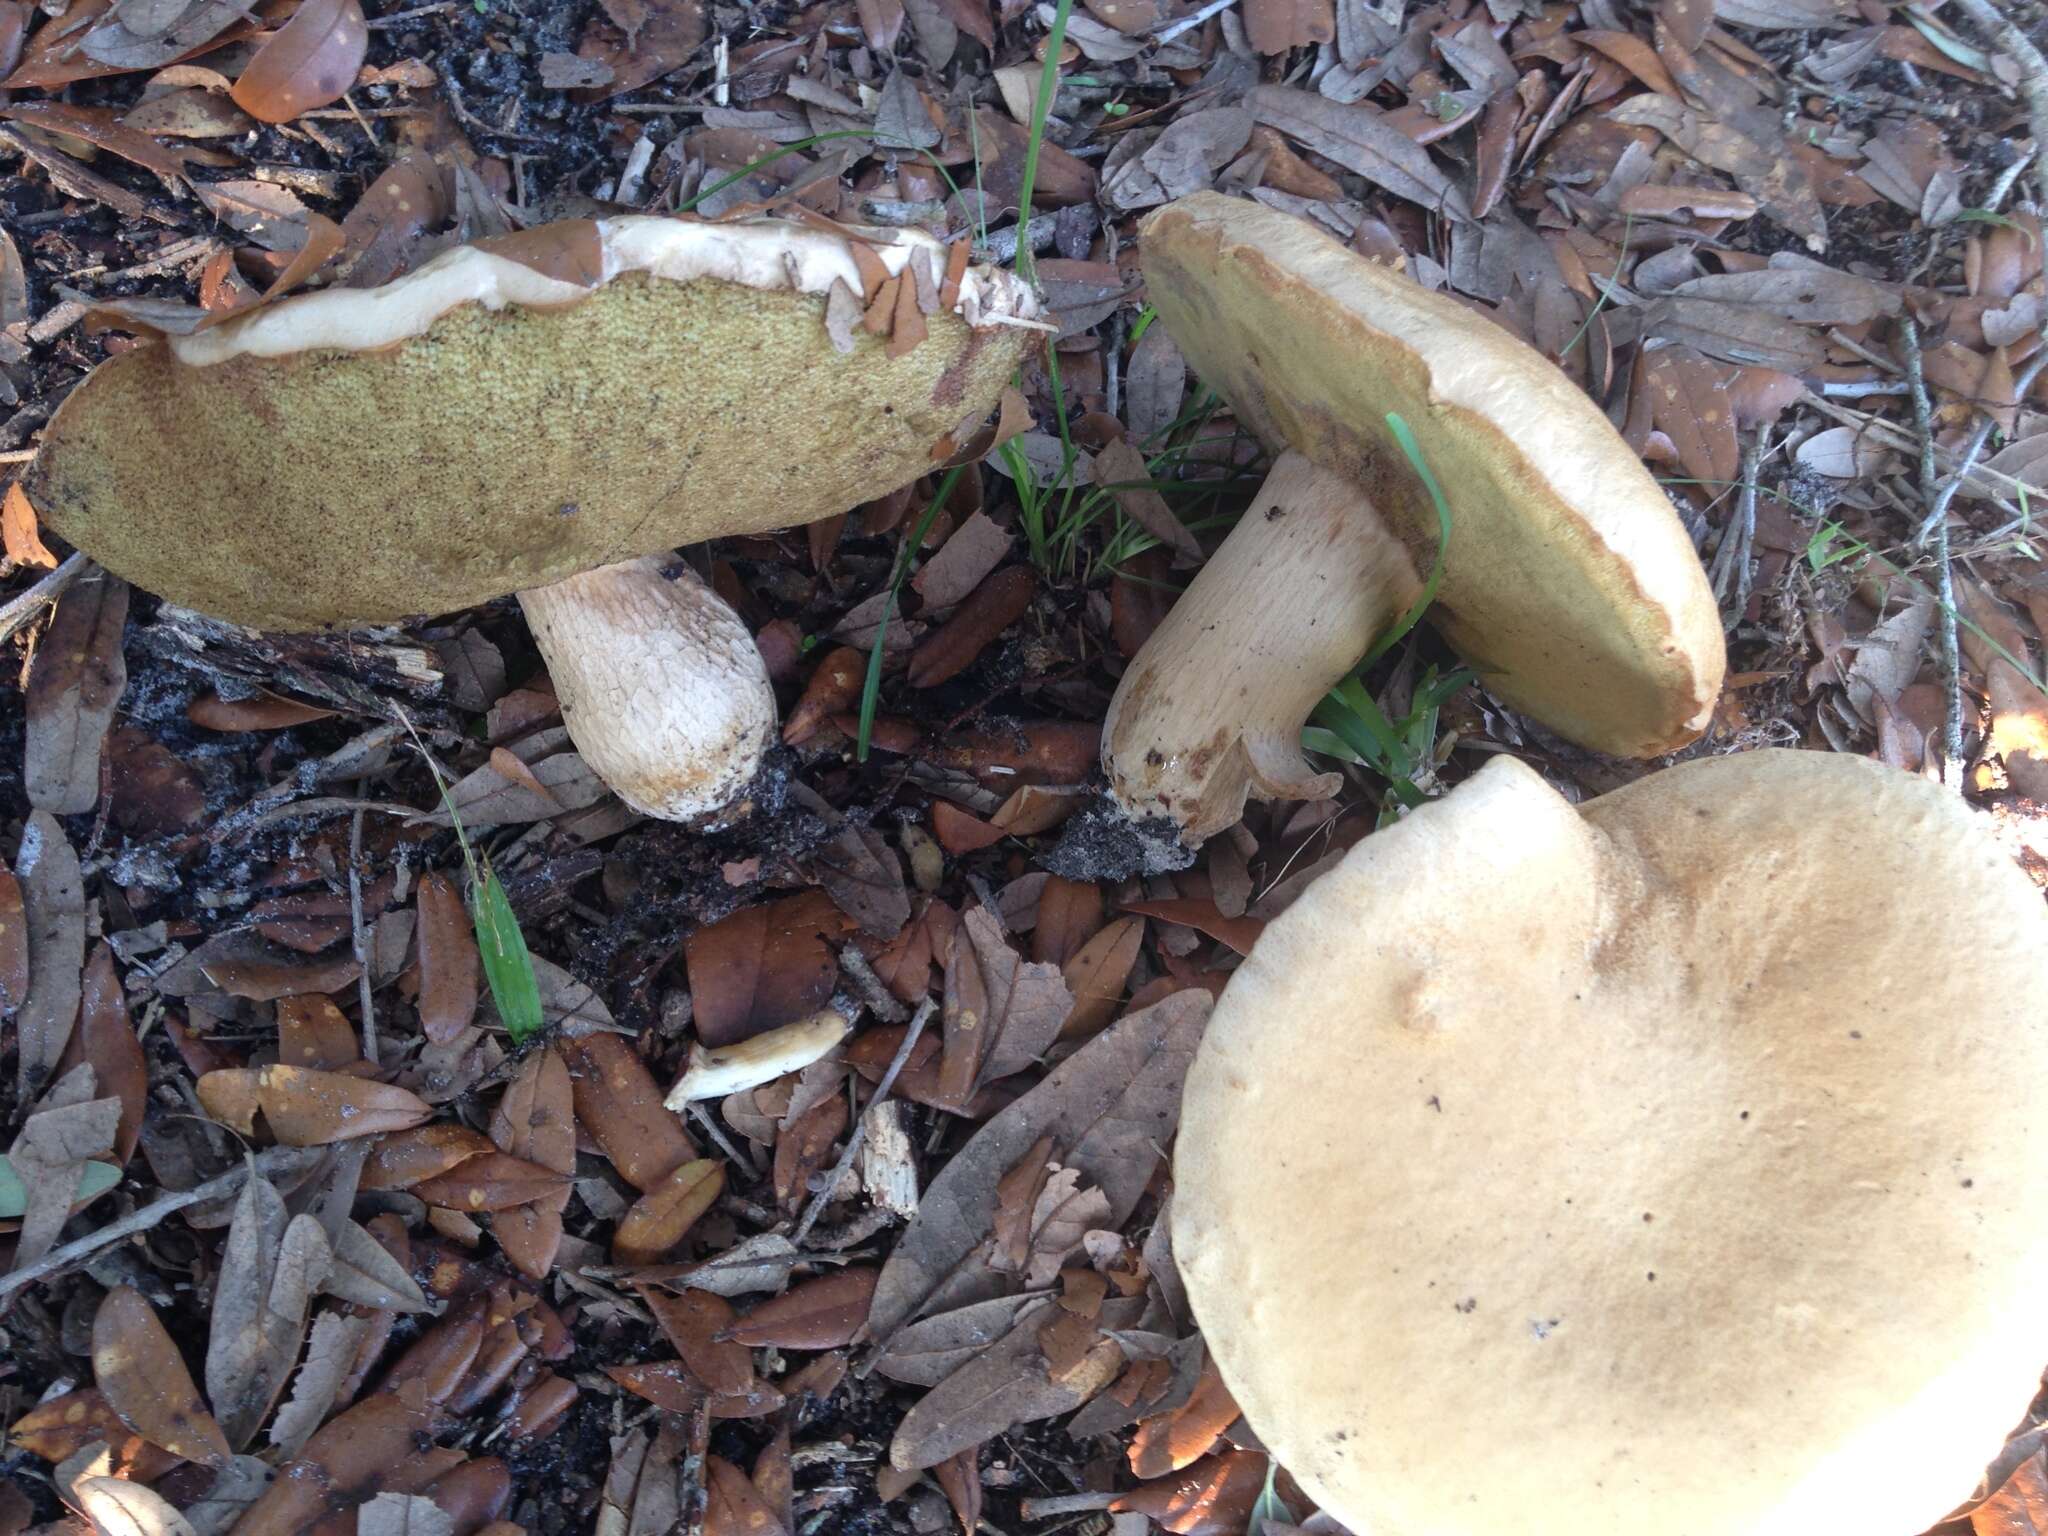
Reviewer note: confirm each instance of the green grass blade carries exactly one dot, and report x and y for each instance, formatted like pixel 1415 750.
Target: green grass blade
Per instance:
pixel 871 686
pixel 508 967
pixel 1048 86
pixel 1408 620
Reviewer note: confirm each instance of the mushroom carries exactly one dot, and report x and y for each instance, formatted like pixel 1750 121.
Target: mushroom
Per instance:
pixel 1568 580
pixel 543 414
pixel 1668 1161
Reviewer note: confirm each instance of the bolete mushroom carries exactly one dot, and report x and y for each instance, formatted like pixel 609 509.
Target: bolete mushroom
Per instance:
pixel 1568 581
pixel 1667 1162
pixel 543 414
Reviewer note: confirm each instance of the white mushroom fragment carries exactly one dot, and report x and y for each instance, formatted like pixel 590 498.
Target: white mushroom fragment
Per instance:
pixel 1667 1162
pixel 1568 581
pixel 524 413
pixel 759 1059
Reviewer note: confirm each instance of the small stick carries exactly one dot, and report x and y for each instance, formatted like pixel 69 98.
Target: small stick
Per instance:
pixel 20 610
pixel 819 1200
pixel 149 1216
pixel 1944 569
pixel 357 940
pixel 2006 34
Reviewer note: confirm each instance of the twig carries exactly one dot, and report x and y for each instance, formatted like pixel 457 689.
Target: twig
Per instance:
pixel 20 610
pixel 823 1196
pixel 2033 75
pixel 1944 569
pixel 1966 459
pixel 150 1215
pixel 1188 23
pixel 357 940
pixel 880 1001
pixel 700 1111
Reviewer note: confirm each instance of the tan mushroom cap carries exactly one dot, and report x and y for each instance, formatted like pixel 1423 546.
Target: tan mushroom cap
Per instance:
pixel 1671 1163
pixel 476 427
pixel 1569 581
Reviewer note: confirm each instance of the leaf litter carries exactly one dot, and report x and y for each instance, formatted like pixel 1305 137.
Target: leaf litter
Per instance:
pixel 1716 221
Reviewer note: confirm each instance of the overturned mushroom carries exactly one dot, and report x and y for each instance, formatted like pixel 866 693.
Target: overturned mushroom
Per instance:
pixel 1672 1161
pixel 539 414
pixel 1568 580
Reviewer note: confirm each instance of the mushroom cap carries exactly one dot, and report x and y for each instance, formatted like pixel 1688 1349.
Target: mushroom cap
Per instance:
pixel 481 424
pixel 1569 581
pixel 1763 1027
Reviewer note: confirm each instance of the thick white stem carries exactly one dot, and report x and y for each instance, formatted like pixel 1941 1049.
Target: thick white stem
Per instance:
pixel 1211 709
pixel 662 688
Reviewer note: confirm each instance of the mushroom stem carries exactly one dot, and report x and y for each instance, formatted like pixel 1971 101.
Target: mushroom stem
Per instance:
pixel 1212 706
pixel 662 688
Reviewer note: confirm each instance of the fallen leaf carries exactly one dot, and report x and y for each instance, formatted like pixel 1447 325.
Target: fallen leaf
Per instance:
pixel 1358 137
pixel 62 1426
pixel 536 1119
pixel 664 36
pixel 822 1313
pixel 271 1268
pixel 763 966
pixel 1097 974
pixel 349 1459
pixel 403 1158
pixel 1001 1011
pixel 1172 1441
pixel 1211 1498
pixel 862 874
pixel 2020 1505
pixel 491 1181
pixel 1778 181
pixel 144 1380
pixel 1240 933
pixel 311 1108
pixel 258 712
pixel 981 618
pixel 973 550
pixel 1109 1106
pixel 13 944
pixel 20 534
pixel 733 1506
pixel 312 1032
pixel 330 1355
pixel 309 62
pixel 105 1037
pixel 74 685
pixel 696 1324
pixel 53 902
pixel 805 1147
pixel 54 1158
pixel 118 1507
pixel 449 964
pixel 620 1105
pixel 659 1220
pixel 1005 1385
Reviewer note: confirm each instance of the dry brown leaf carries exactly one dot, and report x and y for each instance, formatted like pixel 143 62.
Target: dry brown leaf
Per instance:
pixel 1240 933
pixel 804 1148
pixel 61 1427
pixel 763 966
pixel 74 685
pixel 981 618
pixel 1108 1106
pixel 1689 406
pixel 659 1220
pixel 535 1119
pixel 258 712
pixel 50 1155
pixel 826 1312
pixel 312 1032
pixel 1212 1498
pixel 733 1506
pixel 973 550
pixel 1122 471
pixel 53 901
pixel 2020 1505
pixel 20 535
pixel 1358 137
pixel 403 1158
pixel 270 1270
pixel 862 874
pixel 105 1037
pixel 1001 1011
pixel 311 1109
pixel 1779 181
pixel 695 1323
pixel 662 36
pixel 13 944
pixel 620 1105
pixel 143 1378
pixel 356 1454
pixel 1169 1442
pixel 449 963
pixel 491 1181
pixel 307 63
